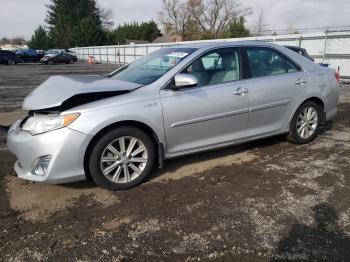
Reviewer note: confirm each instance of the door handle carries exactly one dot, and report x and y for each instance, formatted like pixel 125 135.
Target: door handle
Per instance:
pixel 240 91
pixel 301 82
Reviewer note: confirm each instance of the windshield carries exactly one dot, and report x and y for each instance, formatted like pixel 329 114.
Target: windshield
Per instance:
pixel 151 67
pixel 52 52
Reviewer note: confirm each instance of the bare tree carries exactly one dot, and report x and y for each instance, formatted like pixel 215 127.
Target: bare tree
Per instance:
pixel 291 29
pixel 106 17
pixel 261 25
pixel 209 18
pixel 174 17
pixel 213 16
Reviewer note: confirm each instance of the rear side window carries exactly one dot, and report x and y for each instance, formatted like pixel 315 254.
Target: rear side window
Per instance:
pixel 31 52
pixel 268 62
pixel 8 53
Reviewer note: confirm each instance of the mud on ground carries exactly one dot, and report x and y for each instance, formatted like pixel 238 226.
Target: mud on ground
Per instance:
pixel 261 201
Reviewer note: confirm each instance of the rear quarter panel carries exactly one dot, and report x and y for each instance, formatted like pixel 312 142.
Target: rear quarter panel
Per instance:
pixel 324 85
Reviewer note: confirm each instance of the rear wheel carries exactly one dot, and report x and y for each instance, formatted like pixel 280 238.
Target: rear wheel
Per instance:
pixel 305 123
pixel 49 62
pixel 11 62
pixel 122 158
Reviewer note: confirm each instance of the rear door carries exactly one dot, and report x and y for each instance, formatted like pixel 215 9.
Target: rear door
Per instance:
pixel 31 55
pixel 276 85
pixel 59 58
pixel 214 112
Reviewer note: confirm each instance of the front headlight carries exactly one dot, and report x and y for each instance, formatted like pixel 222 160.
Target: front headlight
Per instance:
pixel 41 123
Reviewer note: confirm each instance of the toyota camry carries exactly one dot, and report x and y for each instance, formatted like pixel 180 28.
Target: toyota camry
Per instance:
pixel 175 101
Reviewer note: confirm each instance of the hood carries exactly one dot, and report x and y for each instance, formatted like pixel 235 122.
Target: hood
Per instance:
pixel 64 92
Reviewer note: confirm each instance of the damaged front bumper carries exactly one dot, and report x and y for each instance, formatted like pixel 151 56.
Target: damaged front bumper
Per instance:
pixel 54 157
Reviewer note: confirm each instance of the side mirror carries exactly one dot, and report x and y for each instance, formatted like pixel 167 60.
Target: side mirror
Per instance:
pixel 185 81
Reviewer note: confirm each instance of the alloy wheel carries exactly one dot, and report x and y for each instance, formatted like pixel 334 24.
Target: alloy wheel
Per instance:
pixel 11 62
pixel 123 159
pixel 307 122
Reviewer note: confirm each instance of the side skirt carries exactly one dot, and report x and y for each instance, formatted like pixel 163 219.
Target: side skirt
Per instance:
pixel 222 145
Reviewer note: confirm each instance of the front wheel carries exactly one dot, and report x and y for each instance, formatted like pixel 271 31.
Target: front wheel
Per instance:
pixel 11 62
pixel 122 158
pixel 305 123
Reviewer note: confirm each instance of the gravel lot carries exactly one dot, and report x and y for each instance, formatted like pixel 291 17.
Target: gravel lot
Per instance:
pixel 264 201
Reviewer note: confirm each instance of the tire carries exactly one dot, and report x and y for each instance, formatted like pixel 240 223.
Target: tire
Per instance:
pixel 303 135
pixel 49 62
pixel 11 62
pixel 113 174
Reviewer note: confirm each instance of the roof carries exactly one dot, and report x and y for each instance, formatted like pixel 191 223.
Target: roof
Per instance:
pixel 211 43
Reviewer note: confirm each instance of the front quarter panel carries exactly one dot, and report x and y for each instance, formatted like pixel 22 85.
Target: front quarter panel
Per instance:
pixel 148 112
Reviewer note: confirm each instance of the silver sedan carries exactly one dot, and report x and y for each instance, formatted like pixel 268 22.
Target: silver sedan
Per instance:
pixel 175 101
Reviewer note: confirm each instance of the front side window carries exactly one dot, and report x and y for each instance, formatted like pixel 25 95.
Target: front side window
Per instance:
pixel 267 62
pixel 215 67
pixel 150 68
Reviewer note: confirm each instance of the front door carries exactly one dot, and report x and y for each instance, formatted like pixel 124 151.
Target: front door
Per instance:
pixel 214 112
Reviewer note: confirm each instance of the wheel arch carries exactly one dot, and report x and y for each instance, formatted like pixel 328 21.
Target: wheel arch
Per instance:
pixel 159 147
pixel 315 99
pixel 319 101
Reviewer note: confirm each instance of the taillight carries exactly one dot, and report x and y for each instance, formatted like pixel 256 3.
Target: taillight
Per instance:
pixel 337 75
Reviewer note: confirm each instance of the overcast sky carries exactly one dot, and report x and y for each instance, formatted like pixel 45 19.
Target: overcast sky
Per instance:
pixel 21 17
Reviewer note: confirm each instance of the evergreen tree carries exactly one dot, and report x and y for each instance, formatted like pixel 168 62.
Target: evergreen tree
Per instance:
pixel 237 29
pixel 40 39
pixel 81 23
pixel 87 33
pixel 74 23
pixel 150 31
pixel 147 31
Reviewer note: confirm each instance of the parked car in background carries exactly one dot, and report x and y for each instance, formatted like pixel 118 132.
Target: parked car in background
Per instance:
pixel 73 54
pixel 172 102
pixel 41 52
pixel 29 55
pixel 8 57
pixel 57 56
pixel 300 51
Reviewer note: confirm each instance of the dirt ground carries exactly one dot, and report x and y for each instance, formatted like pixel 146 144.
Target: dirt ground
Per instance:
pixel 264 201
